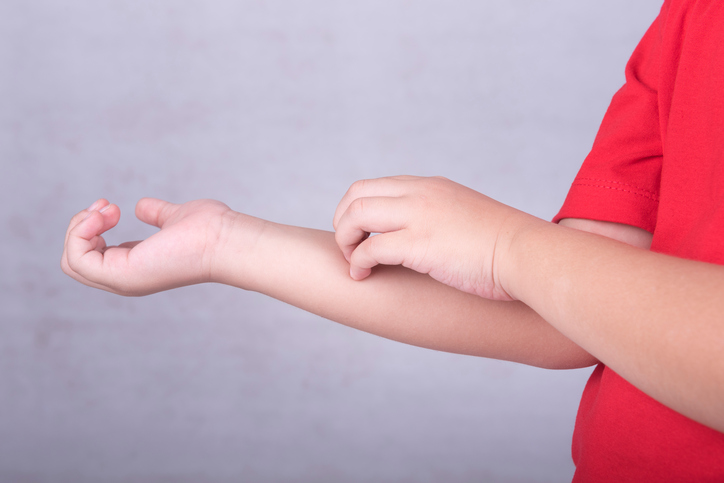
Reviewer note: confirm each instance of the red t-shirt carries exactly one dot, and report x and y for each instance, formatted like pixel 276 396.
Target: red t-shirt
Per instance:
pixel 657 163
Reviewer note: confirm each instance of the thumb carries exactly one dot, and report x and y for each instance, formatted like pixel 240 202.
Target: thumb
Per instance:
pixel 154 211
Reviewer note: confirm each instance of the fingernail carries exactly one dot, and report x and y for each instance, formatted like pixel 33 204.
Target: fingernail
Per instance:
pixel 359 273
pixel 93 208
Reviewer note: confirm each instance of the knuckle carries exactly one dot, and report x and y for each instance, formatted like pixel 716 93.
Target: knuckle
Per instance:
pixel 71 264
pixel 357 186
pixel 437 183
pixel 357 206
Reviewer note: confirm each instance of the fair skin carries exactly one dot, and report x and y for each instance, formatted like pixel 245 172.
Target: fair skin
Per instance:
pixel 449 269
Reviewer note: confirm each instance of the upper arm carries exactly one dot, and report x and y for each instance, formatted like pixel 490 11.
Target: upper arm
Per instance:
pixel 631 235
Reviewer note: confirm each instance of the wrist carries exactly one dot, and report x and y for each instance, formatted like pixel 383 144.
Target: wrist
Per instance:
pixel 514 261
pixel 236 258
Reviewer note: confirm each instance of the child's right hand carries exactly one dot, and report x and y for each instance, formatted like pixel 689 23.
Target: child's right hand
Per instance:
pixel 182 253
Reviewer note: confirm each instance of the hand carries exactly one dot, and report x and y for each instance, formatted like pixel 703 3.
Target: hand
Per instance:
pixel 431 225
pixel 181 253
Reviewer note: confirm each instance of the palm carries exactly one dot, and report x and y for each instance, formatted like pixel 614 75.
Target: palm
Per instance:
pixel 185 242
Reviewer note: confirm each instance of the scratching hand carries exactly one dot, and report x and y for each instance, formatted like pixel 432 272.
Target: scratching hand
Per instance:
pixel 432 225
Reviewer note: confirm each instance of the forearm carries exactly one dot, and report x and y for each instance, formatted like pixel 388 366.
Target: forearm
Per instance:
pixel 305 268
pixel 654 319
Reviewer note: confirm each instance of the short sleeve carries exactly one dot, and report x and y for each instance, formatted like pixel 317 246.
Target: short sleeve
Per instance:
pixel 619 180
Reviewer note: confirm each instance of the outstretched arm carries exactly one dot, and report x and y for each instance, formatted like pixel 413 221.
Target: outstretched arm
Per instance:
pixel 305 268
pixel 205 241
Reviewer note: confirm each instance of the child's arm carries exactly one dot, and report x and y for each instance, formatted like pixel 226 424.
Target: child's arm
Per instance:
pixel 654 319
pixel 204 241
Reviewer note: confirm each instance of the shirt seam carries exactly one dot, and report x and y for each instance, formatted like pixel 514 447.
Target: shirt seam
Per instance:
pixel 635 191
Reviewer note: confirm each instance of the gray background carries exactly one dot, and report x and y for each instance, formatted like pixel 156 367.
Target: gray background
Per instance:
pixel 275 107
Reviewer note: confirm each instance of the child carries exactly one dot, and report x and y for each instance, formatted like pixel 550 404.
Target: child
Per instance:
pixel 457 271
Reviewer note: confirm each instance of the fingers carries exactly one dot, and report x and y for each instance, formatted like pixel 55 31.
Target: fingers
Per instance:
pixel 83 237
pixel 374 206
pixel 386 249
pixel 111 214
pixel 154 212
pixel 369 215
pixel 387 187
pixel 98 205
pixel 84 244
pixel 399 209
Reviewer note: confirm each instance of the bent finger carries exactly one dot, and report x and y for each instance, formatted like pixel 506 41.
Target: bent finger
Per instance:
pixel 110 214
pixel 369 215
pixel 85 246
pixel 81 215
pixel 83 236
pixel 383 249
pixel 381 187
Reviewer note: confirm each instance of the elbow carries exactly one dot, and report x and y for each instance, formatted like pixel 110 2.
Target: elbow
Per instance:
pixel 571 358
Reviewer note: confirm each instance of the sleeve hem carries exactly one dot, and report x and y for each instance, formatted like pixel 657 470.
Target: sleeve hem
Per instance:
pixel 616 202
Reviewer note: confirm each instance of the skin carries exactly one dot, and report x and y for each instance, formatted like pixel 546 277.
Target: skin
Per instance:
pixel 457 271
pixel 205 241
